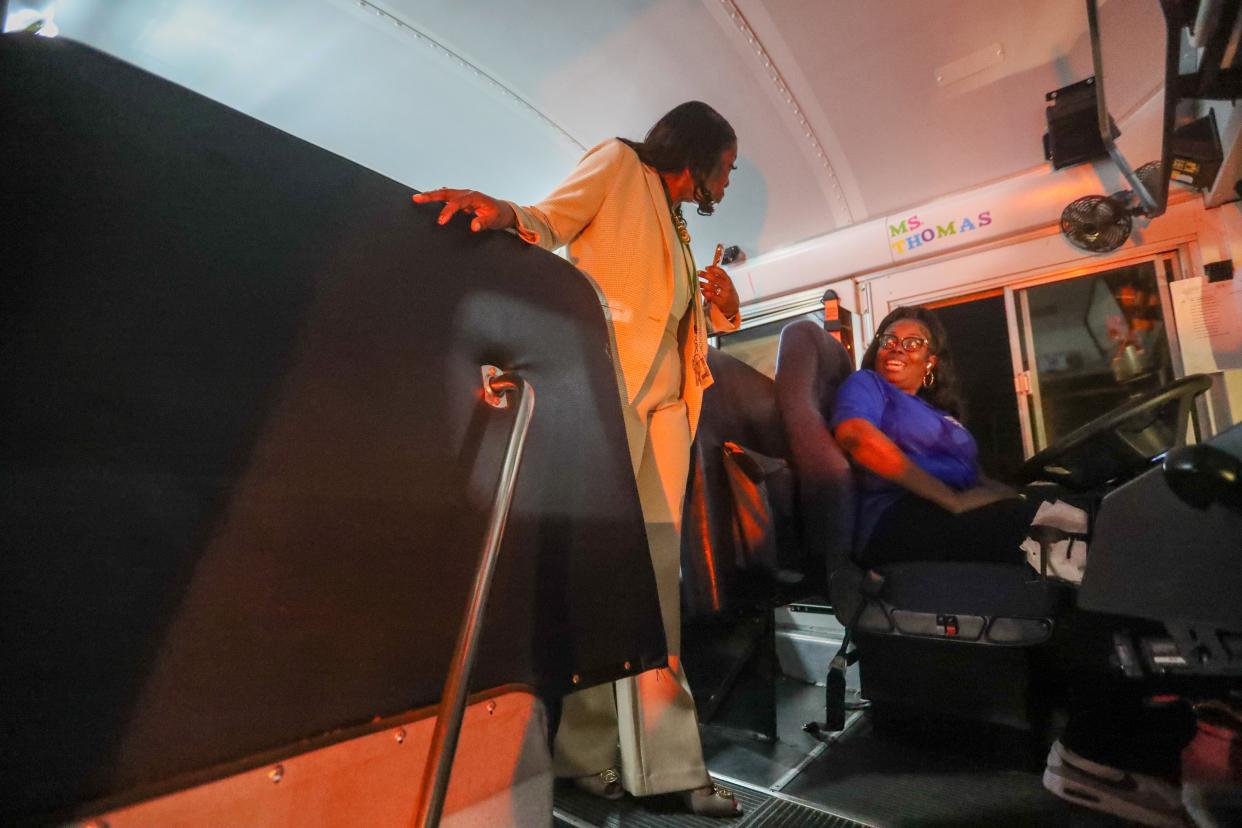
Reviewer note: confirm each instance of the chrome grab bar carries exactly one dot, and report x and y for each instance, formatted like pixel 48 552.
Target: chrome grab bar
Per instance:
pixel 496 389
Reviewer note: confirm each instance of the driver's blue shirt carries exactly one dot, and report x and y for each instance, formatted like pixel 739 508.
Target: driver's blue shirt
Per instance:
pixel 930 437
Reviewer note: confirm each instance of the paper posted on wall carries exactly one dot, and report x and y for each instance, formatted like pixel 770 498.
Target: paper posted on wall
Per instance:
pixel 1209 323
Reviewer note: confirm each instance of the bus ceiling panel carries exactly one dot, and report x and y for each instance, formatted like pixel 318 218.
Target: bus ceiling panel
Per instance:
pixel 910 133
pixel 846 112
pixel 601 69
pixel 344 78
pixel 492 96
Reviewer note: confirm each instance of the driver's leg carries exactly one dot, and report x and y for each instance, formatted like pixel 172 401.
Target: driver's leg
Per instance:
pixel 914 529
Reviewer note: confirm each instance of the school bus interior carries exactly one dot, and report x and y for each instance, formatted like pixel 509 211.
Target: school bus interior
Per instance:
pixel 261 414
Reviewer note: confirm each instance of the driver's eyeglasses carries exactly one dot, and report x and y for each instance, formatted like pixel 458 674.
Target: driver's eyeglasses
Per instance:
pixel 909 344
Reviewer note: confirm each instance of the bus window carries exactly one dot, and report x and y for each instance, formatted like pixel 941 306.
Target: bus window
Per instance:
pixel 1090 343
pixel 756 346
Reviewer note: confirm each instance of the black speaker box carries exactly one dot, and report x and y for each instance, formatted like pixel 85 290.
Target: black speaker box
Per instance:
pixel 1073 135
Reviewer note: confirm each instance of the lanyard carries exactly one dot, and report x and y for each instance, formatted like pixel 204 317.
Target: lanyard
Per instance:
pixel 699 360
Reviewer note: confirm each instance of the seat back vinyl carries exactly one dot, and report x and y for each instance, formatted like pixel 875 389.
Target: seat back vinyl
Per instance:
pixel 247 470
pixel 739 408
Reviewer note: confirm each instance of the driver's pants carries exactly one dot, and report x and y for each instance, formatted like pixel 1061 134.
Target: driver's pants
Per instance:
pixel 914 529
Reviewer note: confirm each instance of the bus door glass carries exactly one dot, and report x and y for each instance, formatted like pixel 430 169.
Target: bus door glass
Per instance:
pixel 1087 343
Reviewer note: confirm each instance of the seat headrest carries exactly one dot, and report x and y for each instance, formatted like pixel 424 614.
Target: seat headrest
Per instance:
pixel 809 358
pixel 740 406
pixel 810 367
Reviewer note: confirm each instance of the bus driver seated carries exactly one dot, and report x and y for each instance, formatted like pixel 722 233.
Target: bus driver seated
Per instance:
pixel 923 497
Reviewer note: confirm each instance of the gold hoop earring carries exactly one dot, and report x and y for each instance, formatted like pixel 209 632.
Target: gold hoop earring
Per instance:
pixel 929 379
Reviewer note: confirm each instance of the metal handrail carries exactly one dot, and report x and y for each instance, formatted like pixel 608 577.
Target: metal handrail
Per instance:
pixel 452 708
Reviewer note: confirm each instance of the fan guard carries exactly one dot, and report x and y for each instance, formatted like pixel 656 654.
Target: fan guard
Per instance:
pixel 1149 174
pixel 1096 223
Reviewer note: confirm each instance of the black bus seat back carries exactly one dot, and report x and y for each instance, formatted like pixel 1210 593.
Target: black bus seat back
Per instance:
pixel 248 466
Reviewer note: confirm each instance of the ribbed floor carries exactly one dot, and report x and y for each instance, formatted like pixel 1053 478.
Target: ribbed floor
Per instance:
pixel 863 778
pixel 575 809
pixel 896 783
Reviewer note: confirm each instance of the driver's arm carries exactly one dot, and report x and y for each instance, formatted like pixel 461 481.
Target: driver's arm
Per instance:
pixel 870 448
pixel 997 486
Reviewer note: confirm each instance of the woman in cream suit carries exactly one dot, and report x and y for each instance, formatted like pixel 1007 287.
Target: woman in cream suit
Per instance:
pixel 619 214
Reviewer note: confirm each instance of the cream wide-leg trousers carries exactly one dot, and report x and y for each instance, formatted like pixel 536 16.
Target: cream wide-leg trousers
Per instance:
pixel 650 716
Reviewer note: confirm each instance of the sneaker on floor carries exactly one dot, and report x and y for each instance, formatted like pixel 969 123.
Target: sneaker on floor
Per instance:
pixel 1138 797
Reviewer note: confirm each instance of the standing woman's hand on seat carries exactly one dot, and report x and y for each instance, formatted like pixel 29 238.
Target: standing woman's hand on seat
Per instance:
pixel 489 213
pixel 718 289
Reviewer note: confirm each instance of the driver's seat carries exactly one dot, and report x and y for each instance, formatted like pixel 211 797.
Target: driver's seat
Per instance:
pixel 935 638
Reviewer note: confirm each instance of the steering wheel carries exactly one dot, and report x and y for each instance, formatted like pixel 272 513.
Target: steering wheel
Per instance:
pixel 1120 444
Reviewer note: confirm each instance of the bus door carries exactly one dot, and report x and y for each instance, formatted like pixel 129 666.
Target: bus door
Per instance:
pixel 1084 342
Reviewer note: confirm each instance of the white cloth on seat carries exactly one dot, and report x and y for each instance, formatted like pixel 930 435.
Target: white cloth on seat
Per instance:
pixel 1066 558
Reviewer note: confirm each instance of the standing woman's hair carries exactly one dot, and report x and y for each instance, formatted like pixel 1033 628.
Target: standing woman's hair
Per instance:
pixel 944 393
pixel 691 135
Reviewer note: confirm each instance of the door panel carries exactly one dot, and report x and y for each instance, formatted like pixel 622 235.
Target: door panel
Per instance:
pixel 1090 343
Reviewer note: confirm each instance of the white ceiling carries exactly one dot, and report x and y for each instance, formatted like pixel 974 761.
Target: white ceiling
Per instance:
pixel 837 105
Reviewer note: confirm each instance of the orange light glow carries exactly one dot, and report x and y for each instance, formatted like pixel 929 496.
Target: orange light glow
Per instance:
pixel 705 543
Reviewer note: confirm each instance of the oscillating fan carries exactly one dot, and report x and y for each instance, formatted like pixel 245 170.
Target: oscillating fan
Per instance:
pixel 1097 223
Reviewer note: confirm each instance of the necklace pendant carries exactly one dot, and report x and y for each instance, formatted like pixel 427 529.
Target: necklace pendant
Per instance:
pixel 679 224
pixel 701 372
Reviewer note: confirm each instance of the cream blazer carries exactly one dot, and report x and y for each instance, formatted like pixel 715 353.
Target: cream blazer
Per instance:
pixel 613 215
